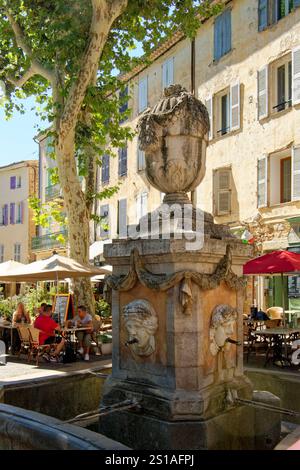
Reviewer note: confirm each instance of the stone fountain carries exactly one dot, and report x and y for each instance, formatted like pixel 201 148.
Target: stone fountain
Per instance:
pixel 177 310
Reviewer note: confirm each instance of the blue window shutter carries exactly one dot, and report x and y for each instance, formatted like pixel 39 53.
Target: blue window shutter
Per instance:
pixel 262 14
pixel 105 169
pixel 218 37
pixel 6 214
pixel 13 181
pixel 12 213
pixel 296 3
pixel 123 161
pixel 226 32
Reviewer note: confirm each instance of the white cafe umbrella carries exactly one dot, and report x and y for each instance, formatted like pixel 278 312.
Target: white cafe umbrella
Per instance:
pixel 54 268
pixel 9 267
pixel 107 268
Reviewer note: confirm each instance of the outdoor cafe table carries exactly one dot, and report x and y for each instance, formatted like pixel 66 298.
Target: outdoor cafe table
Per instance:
pixel 278 336
pixel 69 332
pixel 11 327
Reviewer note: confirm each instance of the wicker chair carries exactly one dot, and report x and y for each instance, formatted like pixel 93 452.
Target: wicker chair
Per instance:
pixel 35 347
pixel 24 336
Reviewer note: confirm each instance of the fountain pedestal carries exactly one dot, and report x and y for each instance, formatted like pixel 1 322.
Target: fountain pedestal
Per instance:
pixel 177 311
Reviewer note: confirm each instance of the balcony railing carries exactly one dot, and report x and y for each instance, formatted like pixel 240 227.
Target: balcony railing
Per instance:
pixel 49 241
pixel 52 192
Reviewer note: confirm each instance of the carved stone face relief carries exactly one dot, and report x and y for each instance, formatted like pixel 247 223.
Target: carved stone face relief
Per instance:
pixel 141 324
pixel 222 328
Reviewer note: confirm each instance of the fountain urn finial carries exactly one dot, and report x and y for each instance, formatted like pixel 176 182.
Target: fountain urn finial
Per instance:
pixel 174 136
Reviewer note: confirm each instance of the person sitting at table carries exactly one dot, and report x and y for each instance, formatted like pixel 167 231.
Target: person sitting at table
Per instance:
pixel 41 308
pixel 21 315
pixel 47 327
pixel 84 320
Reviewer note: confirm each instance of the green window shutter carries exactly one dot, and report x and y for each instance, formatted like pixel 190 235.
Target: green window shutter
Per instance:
pixel 295 173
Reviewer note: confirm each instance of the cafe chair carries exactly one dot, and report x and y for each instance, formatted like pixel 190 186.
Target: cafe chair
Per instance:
pixel 37 349
pixel 23 332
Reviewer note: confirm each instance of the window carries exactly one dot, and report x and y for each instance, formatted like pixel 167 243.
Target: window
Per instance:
pixel 105 168
pixel 279 177
pixel 222 191
pixel 19 182
pixel 1 253
pixel 141 205
pixel 17 252
pixel 122 170
pixel 19 213
pixel 285 179
pixel 4 218
pixel 143 94
pixel 271 11
pixel 222 34
pixel 224 111
pixel 104 222
pixel 281 72
pixel 168 73
pixel 123 97
pixel 141 161
pixel 122 218
pixel 279 84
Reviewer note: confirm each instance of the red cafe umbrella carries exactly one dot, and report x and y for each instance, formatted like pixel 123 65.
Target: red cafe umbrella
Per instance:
pixel 276 262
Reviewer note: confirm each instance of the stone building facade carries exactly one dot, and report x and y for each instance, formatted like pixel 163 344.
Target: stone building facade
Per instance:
pixel 18 181
pixel 245 66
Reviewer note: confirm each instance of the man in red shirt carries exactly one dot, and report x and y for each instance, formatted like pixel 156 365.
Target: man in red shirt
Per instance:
pixel 47 327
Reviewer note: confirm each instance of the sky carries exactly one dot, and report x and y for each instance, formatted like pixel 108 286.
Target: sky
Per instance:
pixel 16 136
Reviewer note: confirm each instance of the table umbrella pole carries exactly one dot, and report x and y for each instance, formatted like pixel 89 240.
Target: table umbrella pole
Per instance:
pixel 283 300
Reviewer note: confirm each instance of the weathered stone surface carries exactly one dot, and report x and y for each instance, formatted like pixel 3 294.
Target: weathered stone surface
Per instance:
pixel 27 430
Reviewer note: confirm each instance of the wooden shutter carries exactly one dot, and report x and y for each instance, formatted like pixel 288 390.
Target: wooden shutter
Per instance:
pixel 262 182
pixel 218 37
pixel 105 168
pixel 222 191
pixel 295 173
pixel 235 106
pixel 168 73
pixel 122 218
pixel 296 75
pixel 5 214
pixel 12 213
pixel 22 212
pixel 262 92
pixel 143 94
pixel 141 160
pixel 144 203
pixel 262 14
pixel 226 31
pixel 13 181
pixel 123 161
pixel 209 107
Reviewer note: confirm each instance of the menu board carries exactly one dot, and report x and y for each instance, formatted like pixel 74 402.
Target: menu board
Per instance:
pixel 63 308
pixel 293 286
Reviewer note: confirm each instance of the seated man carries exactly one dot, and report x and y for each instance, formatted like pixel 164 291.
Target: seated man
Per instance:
pixel 47 327
pixel 84 319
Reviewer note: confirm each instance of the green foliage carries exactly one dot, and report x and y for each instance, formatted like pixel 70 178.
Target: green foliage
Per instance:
pixel 57 33
pixel 102 308
pixel 32 298
pixel 105 338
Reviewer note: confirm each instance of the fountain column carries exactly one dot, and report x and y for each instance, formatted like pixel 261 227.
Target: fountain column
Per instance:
pixel 177 298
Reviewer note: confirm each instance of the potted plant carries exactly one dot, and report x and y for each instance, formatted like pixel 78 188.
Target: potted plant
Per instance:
pixel 106 343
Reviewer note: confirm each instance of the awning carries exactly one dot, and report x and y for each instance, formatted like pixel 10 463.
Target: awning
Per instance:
pixel 96 249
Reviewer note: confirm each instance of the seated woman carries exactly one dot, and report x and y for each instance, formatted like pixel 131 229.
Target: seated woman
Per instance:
pixel 20 316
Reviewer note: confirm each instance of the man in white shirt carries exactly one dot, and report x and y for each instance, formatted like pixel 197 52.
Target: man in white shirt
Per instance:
pixel 84 320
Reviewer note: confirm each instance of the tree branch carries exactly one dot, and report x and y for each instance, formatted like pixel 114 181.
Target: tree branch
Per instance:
pixel 105 12
pixel 36 67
